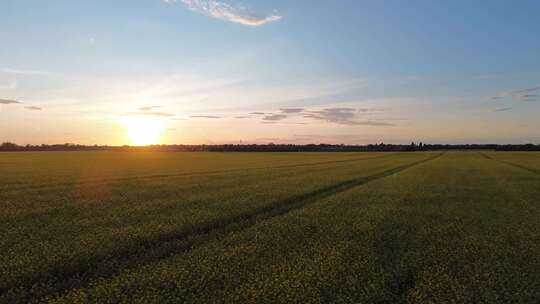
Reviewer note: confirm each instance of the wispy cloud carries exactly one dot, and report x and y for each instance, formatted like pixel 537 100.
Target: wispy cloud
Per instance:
pixel 150 113
pixel 533 89
pixel 335 115
pixel 366 110
pixel 27 72
pixel 8 101
pixel 33 108
pixel 148 108
pixel 529 97
pixel 274 117
pixel 519 94
pixel 292 110
pixel 502 109
pixel 225 11
pixel 205 116
pixel 283 123
pixel 343 116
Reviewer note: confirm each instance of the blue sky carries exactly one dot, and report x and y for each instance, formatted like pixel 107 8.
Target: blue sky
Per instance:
pixel 199 71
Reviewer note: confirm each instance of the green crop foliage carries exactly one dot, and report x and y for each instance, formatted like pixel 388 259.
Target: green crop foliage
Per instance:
pixel 422 227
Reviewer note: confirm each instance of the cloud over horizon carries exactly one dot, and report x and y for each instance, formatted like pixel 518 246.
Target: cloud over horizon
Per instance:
pixel 225 11
pixel 343 116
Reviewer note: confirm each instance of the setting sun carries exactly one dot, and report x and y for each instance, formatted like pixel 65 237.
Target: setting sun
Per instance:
pixel 143 131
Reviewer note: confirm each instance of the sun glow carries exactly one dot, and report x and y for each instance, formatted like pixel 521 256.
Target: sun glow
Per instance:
pixel 143 131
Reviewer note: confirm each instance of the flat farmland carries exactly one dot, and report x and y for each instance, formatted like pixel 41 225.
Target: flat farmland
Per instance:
pixel 419 227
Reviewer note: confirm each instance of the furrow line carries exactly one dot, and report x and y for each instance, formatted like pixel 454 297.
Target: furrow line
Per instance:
pixel 531 170
pixel 161 176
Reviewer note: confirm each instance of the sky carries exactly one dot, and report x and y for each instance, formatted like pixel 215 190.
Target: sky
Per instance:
pixel 217 71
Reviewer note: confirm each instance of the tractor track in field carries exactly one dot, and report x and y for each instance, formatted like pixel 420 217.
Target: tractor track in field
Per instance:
pixel 81 273
pixel 179 175
pixel 531 170
pixel 51 211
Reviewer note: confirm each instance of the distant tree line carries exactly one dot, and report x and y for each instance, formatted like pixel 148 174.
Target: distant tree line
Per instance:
pixel 11 147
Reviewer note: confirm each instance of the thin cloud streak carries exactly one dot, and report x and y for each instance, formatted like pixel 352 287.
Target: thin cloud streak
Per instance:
pixel 224 11
pixel 274 117
pixel 366 110
pixel 9 101
pixel 148 108
pixel 148 113
pixel 502 109
pixel 529 97
pixel 343 116
pixel 528 90
pixel 519 94
pixel 291 110
pixel 205 116
pixel 33 108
